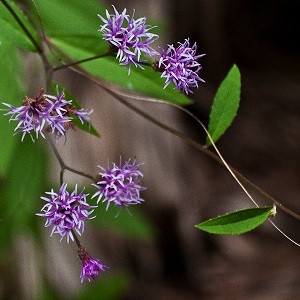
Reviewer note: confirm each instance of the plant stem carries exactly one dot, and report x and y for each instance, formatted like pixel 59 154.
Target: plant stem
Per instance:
pixel 76 239
pixel 218 158
pixel 80 61
pixel 63 166
pixel 16 17
pixel 203 148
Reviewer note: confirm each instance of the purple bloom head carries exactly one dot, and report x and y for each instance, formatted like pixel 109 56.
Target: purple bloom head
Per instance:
pixel 130 38
pixel 180 66
pixel 90 266
pixel 45 113
pixel 66 212
pixel 120 185
pixel 36 114
pixel 64 109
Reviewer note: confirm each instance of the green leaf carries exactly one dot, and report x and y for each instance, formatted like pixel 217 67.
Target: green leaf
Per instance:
pixel 69 17
pixel 237 222
pixel 81 39
pixel 11 30
pixel 132 223
pixel 146 81
pixel 10 92
pixel 225 105
pixel 110 287
pixel 86 126
pixel 21 190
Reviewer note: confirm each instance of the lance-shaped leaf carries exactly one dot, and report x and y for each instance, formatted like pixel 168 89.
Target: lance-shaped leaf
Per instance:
pixel 12 31
pixel 10 92
pixel 226 104
pixel 86 126
pixel 20 191
pixel 238 222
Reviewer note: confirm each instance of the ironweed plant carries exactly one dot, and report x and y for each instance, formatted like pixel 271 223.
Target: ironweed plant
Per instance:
pixel 101 52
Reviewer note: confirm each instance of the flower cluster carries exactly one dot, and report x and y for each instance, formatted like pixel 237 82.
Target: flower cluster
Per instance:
pixel 66 212
pixel 180 66
pixel 131 38
pixel 120 185
pixel 45 113
pixel 90 266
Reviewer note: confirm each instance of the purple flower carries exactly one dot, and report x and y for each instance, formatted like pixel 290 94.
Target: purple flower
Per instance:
pixel 35 115
pixel 82 114
pixel 45 113
pixel 131 38
pixel 90 266
pixel 120 185
pixel 66 212
pixel 180 66
pixel 64 108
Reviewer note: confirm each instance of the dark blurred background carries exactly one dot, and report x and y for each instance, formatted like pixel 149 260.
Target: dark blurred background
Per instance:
pixel 261 37
pixel 184 187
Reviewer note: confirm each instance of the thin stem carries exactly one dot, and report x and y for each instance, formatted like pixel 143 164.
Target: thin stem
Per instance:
pixel 53 146
pixel 62 164
pixel 83 174
pixel 39 48
pixel 16 17
pixel 76 239
pixel 286 236
pixel 145 63
pixel 61 176
pixel 236 174
pixel 203 148
pixel 80 61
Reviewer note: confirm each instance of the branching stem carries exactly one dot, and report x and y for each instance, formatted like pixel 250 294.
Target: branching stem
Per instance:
pixel 62 164
pixel 203 148
pixel 24 28
pixel 120 97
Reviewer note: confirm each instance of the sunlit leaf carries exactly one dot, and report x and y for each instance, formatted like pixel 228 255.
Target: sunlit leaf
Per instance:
pixel 237 222
pixel 81 39
pixel 225 105
pixel 145 81
pixel 69 17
